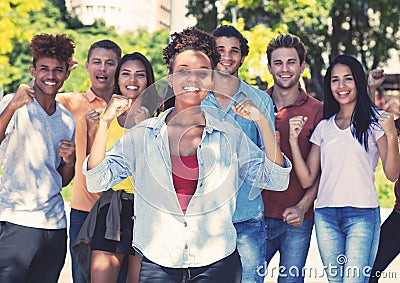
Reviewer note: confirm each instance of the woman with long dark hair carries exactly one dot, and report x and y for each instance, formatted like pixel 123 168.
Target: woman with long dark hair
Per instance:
pixel 109 224
pixel 346 147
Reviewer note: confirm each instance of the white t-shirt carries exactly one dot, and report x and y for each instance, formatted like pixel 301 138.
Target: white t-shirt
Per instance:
pixel 347 177
pixel 30 185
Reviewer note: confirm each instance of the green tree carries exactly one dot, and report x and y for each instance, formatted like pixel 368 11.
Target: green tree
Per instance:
pixel 366 29
pixel 14 15
pixel 151 45
pixel 205 12
pixel 45 20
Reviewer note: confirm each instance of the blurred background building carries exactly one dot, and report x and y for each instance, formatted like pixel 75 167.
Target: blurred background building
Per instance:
pixel 132 15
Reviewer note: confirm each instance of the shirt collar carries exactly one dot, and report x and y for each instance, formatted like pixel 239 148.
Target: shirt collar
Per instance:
pixel 242 91
pixel 238 96
pixel 301 99
pixel 91 96
pixel 211 123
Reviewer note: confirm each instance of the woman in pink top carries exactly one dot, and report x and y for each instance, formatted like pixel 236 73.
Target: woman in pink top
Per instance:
pixel 346 147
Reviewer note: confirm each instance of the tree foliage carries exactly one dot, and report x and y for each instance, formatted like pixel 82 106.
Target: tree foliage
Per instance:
pixel 51 19
pixel 205 12
pixel 366 29
pixel 14 16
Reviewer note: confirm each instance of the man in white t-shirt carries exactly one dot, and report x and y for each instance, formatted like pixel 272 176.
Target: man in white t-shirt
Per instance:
pixel 37 155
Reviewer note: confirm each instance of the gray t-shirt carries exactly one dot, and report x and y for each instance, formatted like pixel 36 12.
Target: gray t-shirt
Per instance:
pixel 30 184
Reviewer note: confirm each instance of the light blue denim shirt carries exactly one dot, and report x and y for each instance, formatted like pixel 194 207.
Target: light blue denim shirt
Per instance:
pixel 247 206
pixel 205 234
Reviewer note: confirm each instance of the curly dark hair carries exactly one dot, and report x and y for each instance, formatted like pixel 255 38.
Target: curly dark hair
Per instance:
pixel 191 39
pixel 55 46
pixel 230 31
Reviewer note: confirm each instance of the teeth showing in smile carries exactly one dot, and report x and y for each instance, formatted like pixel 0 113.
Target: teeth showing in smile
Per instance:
pixel 132 87
pixel 343 92
pixel 101 77
pixel 50 83
pixel 191 88
pixel 285 76
pixel 225 64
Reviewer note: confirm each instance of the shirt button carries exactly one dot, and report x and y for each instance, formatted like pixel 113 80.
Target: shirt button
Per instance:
pixel 185 224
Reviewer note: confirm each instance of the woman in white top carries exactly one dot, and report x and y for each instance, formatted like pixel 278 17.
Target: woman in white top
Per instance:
pixel 346 148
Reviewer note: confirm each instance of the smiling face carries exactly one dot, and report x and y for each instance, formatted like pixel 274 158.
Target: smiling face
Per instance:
pixel 101 68
pixel 343 85
pixel 132 79
pixel 286 68
pixel 49 74
pixel 231 55
pixel 191 78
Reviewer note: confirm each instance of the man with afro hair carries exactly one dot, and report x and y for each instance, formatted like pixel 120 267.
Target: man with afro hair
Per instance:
pixel 37 154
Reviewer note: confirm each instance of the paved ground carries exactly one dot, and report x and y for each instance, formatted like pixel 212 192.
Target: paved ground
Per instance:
pixel 314 268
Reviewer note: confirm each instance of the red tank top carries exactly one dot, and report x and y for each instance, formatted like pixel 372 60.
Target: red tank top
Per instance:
pixel 185 174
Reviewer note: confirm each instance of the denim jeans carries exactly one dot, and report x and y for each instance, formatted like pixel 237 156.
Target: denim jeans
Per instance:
pixel 251 247
pixel 227 270
pixel 348 241
pixel 77 217
pixel 292 243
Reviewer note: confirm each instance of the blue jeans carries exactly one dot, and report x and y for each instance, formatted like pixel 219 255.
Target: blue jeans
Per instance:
pixel 251 247
pixel 292 243
pixel 227 270
pixel 348 241
pixel 77 217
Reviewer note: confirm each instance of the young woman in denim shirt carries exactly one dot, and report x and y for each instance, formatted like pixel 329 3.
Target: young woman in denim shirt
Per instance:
pixel 186 167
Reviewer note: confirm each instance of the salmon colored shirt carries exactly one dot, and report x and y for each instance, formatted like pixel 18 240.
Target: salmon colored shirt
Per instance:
pixel 79 104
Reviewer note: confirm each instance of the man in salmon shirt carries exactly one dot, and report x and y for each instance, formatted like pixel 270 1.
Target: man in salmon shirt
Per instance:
pixel 102 60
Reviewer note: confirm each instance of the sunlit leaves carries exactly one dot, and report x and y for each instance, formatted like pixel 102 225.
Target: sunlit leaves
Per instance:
pixel 13 26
